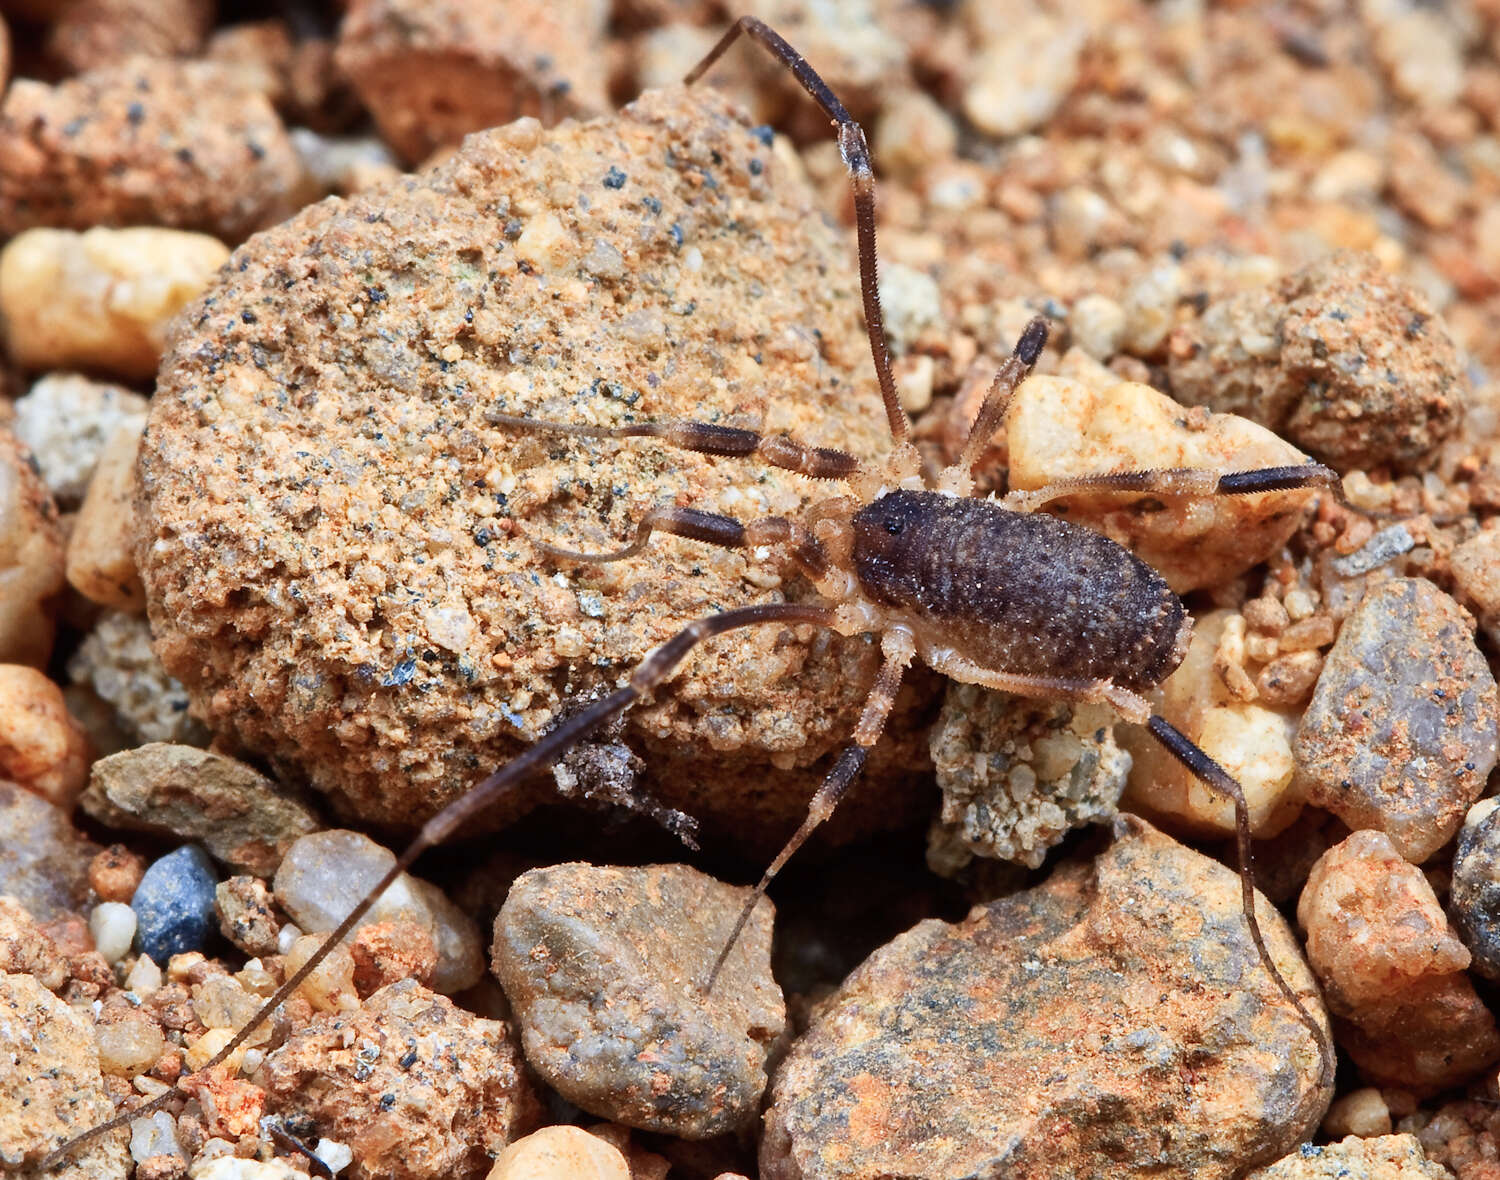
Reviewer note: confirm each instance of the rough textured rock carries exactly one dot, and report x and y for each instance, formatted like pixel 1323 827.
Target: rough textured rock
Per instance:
pixel 658 264
pixel 1474 898
pixel 1388 1157
pixel 1401 731
pixel 418 1088
pixel 1476 579
pixel 431 71
pixel 26 949
pixel 602 967
pixel 1120 1010
pixel 1018 775
pixel 238 814
pixel 323 876
pixel 174 904
pixel 147 142
pixel 100 562
pixel 1063 426
pixel 1392 969
pixel 92 33
pixel 115 660
pixel 245 915
pixel 44 860
pixel 50 1086
pixel 1251 741
pixel 1347 360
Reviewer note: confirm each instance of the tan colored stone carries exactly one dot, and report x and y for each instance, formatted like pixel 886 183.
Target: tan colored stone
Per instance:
pixel 100 299
pixel 1072 1000
pixel 31 556
pixel 1392 969
pixel 560 1153
pixel 41 747
pixel 1251 741
pixel 386 1080
pixel 1060 427
pixel 100 558
pixel 50 1087
pixel 151 142
pixel 443 641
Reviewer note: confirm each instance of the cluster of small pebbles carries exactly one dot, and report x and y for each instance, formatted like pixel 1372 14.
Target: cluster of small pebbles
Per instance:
pixel 278 581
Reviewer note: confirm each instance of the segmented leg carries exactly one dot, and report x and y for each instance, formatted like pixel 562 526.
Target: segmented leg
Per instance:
pixel 649 673
pixel 958 478
pixel 898 648
pixel 1206 770
pixel 708 438
pixel 856 154
pixel 714 529
pixel 1183 481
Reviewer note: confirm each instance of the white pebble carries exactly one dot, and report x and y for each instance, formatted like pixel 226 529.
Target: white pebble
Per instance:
pixel 154 1136
pixel 286 936
pixel 112 924
pixel 337 1156
pixel 144 979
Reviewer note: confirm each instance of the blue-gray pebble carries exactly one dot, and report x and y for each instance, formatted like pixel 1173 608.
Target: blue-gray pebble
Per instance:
pixel 1475 896
pixel 174 904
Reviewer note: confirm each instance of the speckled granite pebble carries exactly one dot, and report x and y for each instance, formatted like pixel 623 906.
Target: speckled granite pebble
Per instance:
pixel 1349 361
pixel 1401 731
pixel 174 904
pixel 602 966
pixel 44 860
pixel 418 1088
pixel 1112 1021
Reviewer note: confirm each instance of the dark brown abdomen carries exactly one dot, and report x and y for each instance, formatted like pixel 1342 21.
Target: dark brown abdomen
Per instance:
pixel 1026 594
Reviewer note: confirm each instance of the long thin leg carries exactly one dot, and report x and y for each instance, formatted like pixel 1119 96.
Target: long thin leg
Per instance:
pixel 1183 481
pixel 708 438
pixel 898 648
pixel 1201 766
pixel 713 529
pixel 649 673
pixel 958 478
pixel 856 154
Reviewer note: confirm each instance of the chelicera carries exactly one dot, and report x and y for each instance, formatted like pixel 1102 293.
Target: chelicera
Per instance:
pixel 988 592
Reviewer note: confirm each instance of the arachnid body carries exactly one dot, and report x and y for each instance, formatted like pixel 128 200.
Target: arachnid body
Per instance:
pixel 986 592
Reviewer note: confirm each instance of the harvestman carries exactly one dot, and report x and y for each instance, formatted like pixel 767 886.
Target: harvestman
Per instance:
pixel 983 591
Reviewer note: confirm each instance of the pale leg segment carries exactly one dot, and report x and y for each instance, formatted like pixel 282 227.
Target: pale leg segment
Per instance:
pixel 898 649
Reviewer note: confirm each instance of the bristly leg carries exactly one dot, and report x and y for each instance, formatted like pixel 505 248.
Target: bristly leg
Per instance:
pixel 1208 771
pixel 898 648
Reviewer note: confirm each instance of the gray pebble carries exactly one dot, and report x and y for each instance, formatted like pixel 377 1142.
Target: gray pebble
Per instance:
pixel 174 904
pixel 602 968
pixel 1474 903
pixel 1401 730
